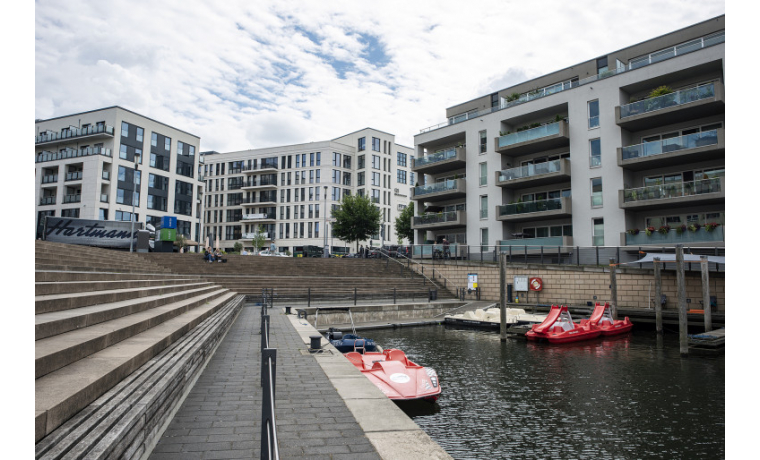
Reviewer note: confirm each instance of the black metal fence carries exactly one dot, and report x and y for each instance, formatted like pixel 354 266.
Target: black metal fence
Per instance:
pixel 330 295
pixel 269 447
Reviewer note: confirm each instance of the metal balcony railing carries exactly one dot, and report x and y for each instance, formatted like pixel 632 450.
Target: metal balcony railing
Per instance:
pixel 529 134
pixel 72 153
pixel 434 158
pixel 443 186
pixel 675 190
pixel 530 206
pixel 526 171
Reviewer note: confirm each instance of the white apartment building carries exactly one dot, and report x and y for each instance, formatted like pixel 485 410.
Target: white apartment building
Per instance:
pixel 590 155
pixel 284 191
pixel 85 168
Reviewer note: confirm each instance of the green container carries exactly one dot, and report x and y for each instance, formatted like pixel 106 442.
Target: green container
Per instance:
pixel 167 234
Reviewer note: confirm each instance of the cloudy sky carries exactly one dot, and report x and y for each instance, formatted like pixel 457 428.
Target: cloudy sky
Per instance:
pixel 250 74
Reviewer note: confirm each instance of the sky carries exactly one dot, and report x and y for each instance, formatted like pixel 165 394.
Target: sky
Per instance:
pixel 253 74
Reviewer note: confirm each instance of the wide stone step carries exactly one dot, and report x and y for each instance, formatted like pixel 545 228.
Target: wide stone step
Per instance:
pixel 50 324
pixel 55 352
pixel 60 302
pixel 68 287
pixel 61 394
pixel 55 276
pixel 111 268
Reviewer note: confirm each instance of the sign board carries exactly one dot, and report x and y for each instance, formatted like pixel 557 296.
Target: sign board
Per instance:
pixel 472 281
pixel 521 283
pixel 88 232
pixel 535 284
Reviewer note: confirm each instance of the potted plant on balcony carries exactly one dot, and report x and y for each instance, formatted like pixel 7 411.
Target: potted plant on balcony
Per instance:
pixel 649 230
pixel 659 103
pixel 633 231
pixel 711 226
pixel 513 97
pixel 681 228
pixel 694 227
pixel 664 229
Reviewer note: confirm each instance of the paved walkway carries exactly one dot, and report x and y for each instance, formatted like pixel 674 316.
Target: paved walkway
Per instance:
pixel 221 417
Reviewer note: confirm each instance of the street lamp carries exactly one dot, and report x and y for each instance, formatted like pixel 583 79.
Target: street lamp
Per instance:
pixel 325 253
pixel 134 189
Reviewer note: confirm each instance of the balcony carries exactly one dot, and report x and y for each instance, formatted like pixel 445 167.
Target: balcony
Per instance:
pixel 266 182
pixel 701 237
pixel 546 137
pixel 76 175
pixel 439 162
pixel 104 198
pixel 71 153
pixel 259 217
pixel 66 135
pixel 671 108
pixel 440 191
pixel 250 236
pixel 106 175
pixel 45 200
pixel 263 167
pixel 552 208
pixel 707 145
pixel 550 172
pixel 440 221
pixel 535 245
pixel 72 198
pixel 50 179
pixel 698 192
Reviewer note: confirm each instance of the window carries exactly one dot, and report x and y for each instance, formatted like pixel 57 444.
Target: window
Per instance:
pixel 376 179
pixel 484 239
pixel 401 159
pixel 401 176
pixel 483 142
pixel 124 129
pixel 360 162
pixel 311 159
pixel 598 232
pixel 167 144
pixel 595 147
pixel 153 139
pixel 495 100
pixel 375 196
pixel 180 148
pixel 596 192
pixel 336 159
pixel 484 206
pixel 156 202
pixel 139 134
pixel 483 174
pixel 593 114
pixel 360 179
pixel 375 162
pixel 375 144
pixel 362 143
pixel 123 152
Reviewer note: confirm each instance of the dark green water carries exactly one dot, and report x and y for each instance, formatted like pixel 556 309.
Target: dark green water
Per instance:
pixel 631 397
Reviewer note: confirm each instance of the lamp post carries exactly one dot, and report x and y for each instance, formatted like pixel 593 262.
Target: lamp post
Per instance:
pixel 325 252
pixel 134 190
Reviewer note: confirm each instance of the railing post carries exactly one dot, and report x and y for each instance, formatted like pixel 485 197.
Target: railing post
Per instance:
pixel 578 255
pixel 559 255
pixel 394 296
pixel 308 297
pixel 597 255
pixel 526 253
pixel 354 296
pixel 264 332
pixel 510 253
pixel 269 448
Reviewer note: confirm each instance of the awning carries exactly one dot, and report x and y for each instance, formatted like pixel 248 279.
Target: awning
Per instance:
pixel 189 243
pixel 649 258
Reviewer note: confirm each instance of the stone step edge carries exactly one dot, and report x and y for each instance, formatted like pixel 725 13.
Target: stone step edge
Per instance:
pixel 99 313
pixel 102 292
pixel 124 327
pixel 176 330
pixel 136 408
pixel 73 287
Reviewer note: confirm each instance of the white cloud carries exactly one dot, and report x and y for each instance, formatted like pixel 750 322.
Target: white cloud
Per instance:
pixel 257 74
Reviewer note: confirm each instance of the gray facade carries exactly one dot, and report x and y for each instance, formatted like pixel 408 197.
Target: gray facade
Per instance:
pixel 587 155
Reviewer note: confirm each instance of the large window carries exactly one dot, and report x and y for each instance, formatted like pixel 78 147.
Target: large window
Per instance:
pixel 483 142
pixel 401 176
pixel 483 174
pixel 484 206
pixel 362 143
pixel 375 144
pixel 593 114
pixel 598 232
pixel 595 149
pixel 375 162
pixel 596 192
pixel 401 159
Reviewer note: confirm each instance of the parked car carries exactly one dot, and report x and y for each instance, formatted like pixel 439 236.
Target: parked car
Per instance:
pixel 267 252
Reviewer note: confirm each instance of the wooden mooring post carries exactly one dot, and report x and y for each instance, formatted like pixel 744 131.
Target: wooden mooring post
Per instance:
pixel 706 293
pixel 613 289
pixel 502 299
pixel 683 333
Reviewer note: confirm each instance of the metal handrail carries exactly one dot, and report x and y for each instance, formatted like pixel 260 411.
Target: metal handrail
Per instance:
pixel 269 446
pixel 421 271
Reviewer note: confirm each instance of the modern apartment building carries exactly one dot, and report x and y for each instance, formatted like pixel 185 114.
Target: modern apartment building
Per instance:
pixel 590 155
pixel 97 164
pixel 284 191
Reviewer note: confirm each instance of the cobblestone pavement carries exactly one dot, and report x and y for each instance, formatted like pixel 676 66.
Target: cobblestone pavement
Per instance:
pixel 221 417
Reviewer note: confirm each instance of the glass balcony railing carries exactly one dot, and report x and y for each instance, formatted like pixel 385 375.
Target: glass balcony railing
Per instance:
pixel 675 190
pixel 529 135
pixel 260 216
pixel 530 206
pixel 72 153
pixel 533 170
pixel 690 141
pixel 47 200
pixel 530 242
pixel 443 186
pixel 674 237
pixel 677 98
pixel 72 133
pixel 74 176
pixel 436 218
pixel 104 198
pixel 50 178
pixel 72 198
pixel 106 175
pixel 434 158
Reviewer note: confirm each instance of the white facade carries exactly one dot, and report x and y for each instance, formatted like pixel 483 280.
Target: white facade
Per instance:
pixel 284 190
pixel 541 170
pixel 85 163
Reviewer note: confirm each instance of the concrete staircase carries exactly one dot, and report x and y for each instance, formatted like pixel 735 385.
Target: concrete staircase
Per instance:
pixel 99 316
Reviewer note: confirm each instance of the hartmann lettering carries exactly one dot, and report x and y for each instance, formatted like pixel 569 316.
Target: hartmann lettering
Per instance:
pixel 90 232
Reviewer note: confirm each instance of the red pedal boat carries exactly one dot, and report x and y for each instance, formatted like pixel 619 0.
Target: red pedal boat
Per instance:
pixel 558 327
pixel 601 318
pixel 397 377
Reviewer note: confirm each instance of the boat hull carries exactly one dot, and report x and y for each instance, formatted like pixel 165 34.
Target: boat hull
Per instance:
pixel 398 378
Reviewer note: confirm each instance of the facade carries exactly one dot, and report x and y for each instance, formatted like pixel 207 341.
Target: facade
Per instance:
pixel 591 155
pixel 85 168
pixel 283 191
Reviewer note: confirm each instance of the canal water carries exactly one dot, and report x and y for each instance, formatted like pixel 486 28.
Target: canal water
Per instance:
pixel 631 397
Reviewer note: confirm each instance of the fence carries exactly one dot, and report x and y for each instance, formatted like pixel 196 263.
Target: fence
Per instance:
pixel 269 448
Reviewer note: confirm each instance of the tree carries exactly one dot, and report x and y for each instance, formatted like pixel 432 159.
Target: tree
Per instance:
pixel 181 241
pixel 403 223
pixel 356 219
pixel 238 247
pixel 258 239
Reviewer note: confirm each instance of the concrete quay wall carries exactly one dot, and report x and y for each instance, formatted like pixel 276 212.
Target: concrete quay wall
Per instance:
pixel 378 313
pixel 572 285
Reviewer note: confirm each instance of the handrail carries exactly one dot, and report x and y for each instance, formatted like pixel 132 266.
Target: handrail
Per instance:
pixel 421 272
pixel 269 446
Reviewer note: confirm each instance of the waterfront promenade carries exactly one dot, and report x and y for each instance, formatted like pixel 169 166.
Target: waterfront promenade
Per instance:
pixel 325 408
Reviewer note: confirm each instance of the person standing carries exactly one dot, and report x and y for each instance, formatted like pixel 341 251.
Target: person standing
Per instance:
pixel 446 249
pixel 272 248
pixel 361 251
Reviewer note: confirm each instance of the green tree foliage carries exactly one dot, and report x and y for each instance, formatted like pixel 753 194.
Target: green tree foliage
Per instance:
pixel 258 239
pixel 403 223
pixel 356 219
pixel 238 247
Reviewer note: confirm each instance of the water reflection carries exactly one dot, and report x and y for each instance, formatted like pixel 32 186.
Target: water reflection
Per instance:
pixel 625 397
